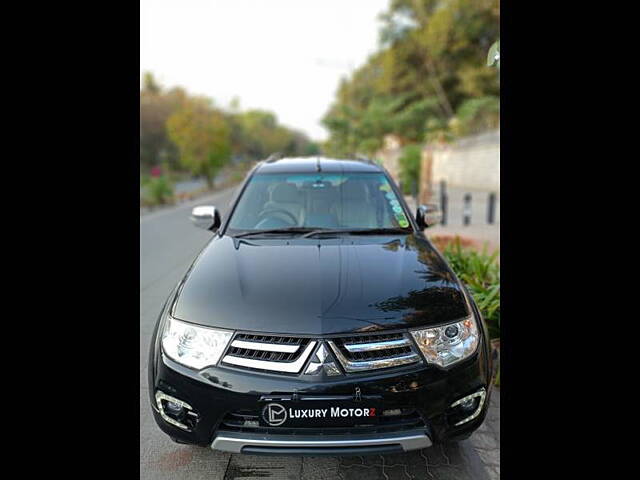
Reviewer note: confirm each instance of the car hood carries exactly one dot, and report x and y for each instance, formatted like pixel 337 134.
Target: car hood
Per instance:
pixel 320 286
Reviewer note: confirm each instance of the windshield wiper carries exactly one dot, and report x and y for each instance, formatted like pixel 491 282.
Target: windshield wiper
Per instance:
pixel 357 231
pixel 276 230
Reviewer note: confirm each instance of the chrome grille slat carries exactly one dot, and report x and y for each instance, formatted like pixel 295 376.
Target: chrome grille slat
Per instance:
pixel 352 366
pixel 248 359
pixel 372 352
pixel 372 346
pixel 267 347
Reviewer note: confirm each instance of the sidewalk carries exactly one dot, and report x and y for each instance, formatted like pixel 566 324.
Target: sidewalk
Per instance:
pixel 480 233
pixel 486 440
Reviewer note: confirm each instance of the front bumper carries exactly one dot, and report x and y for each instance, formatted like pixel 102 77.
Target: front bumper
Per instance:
pixel 216 392
pixel 235 442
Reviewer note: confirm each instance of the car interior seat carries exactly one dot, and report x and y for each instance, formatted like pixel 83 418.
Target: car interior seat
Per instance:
pixel 355 208
pixel 285 196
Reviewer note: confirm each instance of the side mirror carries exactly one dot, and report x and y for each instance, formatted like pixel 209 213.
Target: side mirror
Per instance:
pixel 428 216
pixel 206 216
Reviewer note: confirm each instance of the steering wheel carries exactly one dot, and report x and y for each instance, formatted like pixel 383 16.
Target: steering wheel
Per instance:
pixel 288 214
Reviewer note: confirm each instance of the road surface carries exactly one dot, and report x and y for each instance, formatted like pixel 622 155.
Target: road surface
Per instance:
pixel 168 244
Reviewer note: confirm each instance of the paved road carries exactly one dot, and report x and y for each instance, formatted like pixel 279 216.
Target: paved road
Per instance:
pixel 168 244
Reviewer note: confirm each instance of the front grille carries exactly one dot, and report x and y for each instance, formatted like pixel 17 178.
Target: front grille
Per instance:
pixel 289 355
pixel 372 352
pixel 269 352
pixel 248 421
pixel 263 341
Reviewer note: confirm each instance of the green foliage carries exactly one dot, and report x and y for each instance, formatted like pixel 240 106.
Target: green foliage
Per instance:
pixel 201 137
pixel 410 167
pixel 481 273
pixel 156 106
pixel 432 60
pixel 150 84
pixel 261 135
pixel 158 190
pixel 202 134
pixel 311 148
pixel 476 115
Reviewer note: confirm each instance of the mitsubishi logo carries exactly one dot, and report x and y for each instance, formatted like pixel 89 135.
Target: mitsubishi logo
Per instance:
pixel 322 361
pixel 274 414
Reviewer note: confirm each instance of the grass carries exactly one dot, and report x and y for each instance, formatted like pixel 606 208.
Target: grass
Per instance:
pixel 158 191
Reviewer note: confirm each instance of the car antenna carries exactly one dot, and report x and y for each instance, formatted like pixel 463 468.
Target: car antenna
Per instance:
pixel 318 167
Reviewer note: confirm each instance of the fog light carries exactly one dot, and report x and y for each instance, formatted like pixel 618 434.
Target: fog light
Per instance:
pixel 173 410
pixel 468 404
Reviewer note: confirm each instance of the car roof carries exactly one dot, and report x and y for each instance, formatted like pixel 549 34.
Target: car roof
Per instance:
pixel 315 164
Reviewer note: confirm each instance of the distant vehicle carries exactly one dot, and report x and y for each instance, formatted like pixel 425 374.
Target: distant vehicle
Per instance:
pixel 319 320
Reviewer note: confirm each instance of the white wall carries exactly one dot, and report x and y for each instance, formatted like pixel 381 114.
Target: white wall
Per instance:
pixel 472 162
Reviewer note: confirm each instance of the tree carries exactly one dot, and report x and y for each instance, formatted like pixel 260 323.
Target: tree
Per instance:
pixel 201 138
pixel 431 63
pixel 477 114
pixel 150 85
pixel 409 163
pixel 156 106
pixel 202 135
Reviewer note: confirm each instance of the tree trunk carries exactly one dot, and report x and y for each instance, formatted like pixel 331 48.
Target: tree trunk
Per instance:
pixel 440 93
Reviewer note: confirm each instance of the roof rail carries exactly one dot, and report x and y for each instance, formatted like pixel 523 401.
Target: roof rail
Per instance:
pixel 273 157
pixel 363 158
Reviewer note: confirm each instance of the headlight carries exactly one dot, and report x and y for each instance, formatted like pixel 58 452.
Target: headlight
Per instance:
pixel 448 344
pixel 195 347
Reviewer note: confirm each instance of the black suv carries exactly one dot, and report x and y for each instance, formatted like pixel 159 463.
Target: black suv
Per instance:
pixel 319 320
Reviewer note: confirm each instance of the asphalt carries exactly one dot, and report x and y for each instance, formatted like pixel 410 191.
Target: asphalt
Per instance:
pixel 168 245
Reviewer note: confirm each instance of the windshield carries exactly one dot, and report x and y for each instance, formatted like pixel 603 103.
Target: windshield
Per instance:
pixel 318 200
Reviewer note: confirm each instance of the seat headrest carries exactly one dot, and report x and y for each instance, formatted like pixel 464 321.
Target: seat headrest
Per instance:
pixel 285 192
pixel 354 190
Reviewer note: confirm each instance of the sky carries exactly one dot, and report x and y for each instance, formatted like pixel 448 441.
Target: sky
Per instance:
pixel 287 56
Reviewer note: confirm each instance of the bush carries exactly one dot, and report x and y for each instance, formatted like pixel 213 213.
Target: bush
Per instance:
pixel 159 190
pixel 477 115
pixel 409 163
pixel 481 274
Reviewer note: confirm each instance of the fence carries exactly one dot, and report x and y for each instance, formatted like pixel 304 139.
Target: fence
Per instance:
pixel 463 177
pixel 464 207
